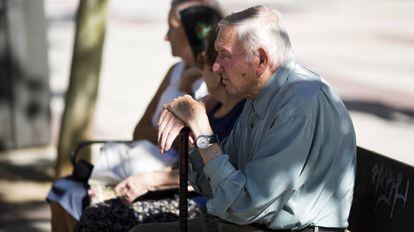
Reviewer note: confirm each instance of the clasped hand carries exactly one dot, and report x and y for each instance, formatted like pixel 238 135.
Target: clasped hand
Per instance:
pixel 134 186
pixel 182 111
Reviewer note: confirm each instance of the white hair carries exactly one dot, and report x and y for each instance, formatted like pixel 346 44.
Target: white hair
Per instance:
pixel 260 26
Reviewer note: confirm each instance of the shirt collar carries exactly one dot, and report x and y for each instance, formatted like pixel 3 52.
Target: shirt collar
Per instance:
pixel 272 86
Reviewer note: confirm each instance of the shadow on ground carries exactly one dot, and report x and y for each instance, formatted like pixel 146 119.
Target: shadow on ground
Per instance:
pixel 26 209
pixel 382 110
pixel 30 214
pixel 38 172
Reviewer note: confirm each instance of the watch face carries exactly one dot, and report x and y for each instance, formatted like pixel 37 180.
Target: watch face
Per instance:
pixel 202 142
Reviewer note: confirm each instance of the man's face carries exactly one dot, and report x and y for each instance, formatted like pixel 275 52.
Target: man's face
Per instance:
pixel 238 74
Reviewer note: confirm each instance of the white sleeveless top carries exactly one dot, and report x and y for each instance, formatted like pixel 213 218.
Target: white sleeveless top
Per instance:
pixel 199 90
pixel 116 162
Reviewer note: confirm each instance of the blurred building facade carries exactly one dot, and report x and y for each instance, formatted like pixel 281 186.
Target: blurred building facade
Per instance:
pixel 24 80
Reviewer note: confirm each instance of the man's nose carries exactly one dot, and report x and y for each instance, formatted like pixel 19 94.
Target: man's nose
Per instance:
pixel 217 68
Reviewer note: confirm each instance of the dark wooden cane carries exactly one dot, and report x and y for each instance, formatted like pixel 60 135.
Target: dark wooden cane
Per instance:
pixel 183 147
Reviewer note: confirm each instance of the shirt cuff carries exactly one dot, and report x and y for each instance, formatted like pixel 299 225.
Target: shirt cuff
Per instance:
pixel 217 169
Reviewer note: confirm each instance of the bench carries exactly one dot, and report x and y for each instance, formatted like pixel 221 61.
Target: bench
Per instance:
pixel 383 198
pixel 383 195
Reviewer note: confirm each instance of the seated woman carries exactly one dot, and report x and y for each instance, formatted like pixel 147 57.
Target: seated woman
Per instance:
pixel 223 110
pixel 68 196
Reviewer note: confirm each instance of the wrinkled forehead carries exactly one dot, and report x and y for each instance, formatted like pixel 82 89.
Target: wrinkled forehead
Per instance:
pixel 227 38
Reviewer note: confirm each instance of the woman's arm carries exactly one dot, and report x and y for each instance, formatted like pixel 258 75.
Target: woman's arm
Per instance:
pixel 190 76
pixel 144 129
pixel 137 185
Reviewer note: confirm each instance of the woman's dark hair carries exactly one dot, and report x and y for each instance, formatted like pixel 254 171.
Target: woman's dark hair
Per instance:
pixel 198 23
pixel 210 51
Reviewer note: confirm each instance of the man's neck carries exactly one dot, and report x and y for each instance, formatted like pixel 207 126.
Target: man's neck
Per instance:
pixel 262 80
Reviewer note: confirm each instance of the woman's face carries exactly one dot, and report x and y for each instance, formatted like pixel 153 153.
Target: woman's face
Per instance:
pixel 176 36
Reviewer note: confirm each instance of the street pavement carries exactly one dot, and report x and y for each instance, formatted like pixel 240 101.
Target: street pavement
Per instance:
pixel 364 49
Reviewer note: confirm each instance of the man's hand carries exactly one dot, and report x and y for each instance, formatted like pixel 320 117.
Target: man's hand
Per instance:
pixel 192 113
pixel 182 111
pixel 133 187
pixel 169 126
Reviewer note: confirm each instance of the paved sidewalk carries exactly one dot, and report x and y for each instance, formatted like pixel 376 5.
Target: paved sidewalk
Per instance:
pixel 363 49
pixel 25 177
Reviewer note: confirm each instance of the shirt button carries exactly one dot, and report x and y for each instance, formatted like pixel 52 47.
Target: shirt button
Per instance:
pixel 251 125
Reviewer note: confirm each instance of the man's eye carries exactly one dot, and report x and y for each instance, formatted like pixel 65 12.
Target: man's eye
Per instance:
pixel 226 55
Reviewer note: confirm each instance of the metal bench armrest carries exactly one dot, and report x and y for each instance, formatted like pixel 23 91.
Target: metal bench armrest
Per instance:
pixel 81 145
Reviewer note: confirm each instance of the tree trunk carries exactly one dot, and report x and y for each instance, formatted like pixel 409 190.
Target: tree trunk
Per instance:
pixel 84 80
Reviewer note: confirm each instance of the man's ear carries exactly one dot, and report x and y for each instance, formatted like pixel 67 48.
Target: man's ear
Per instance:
pixel 263 61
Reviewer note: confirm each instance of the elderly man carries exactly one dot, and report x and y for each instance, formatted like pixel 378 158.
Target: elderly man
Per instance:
pixel 289 163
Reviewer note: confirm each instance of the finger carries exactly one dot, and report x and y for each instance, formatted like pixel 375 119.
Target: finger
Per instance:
pixel 124 199
pixel 165 106
pixel 162 116
pixel 168 132
pixel 165 129
pixel 191 139
pixel 137 193
pixel 172 104
pixel 166 118
pixel 161 126
pixel 134 193
pixel 119 187
pixel 176 104
pixel 129 197
pixel 174 131
pixel 126 194
pixel 91 192
pixel 192 136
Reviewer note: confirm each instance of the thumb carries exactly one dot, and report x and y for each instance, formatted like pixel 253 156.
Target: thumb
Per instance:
pixel 191 138
pixel 119 187
pixel 91 192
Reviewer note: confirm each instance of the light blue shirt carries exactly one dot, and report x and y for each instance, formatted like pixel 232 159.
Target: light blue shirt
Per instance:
pixel 289 161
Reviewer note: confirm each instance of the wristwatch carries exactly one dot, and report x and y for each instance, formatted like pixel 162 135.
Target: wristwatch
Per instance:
pixel 205 141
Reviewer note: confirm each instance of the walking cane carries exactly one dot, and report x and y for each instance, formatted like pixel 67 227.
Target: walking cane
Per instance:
pixel 183 207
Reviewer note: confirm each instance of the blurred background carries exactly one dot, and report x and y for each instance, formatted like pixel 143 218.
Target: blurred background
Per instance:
pixel 363 48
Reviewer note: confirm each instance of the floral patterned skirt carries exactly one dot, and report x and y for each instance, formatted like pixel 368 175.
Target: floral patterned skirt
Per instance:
pixel 113 215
